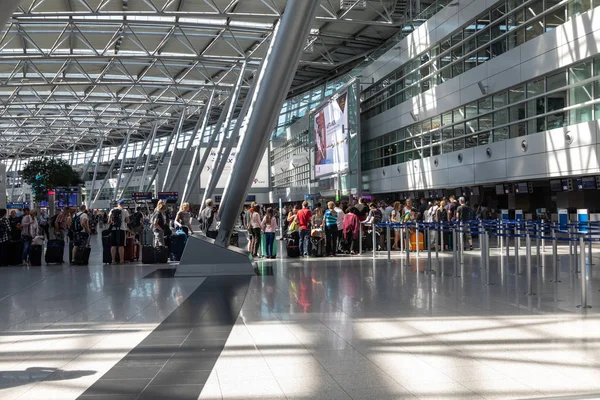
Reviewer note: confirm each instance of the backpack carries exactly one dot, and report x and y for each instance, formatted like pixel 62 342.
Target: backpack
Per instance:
pixel 76 223
pixel 137 220
pixel 116 218
pixel 207 217
pixel 377 216
pixel 466 213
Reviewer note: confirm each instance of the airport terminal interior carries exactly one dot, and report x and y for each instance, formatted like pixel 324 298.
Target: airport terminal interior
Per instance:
pixel 300 199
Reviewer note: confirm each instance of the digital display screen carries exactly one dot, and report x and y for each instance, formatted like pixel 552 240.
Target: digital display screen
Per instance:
pixel 168 195
pixel 555 186
pixel 331 137
pixel 475 191
pixel 140 196
pixel 588 183
pixel 565 185
pixel 508 188
pixel 499 189
pixel 521 188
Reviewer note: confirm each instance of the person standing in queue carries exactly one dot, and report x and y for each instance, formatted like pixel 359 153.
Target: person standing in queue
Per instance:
pixel 269 225
pixel 331 229
pixel 304 217
pixel 208 220
pixel 117 221
pixel 159 222
pixel 4 237
pixel 183 219
pixel 255 230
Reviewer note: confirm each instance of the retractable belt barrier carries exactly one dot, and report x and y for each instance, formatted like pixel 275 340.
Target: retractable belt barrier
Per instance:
pixel 575 234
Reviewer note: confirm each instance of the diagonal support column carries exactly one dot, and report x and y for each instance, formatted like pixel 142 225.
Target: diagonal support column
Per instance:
pixel 136 164
pixel 108 173
pixel 218 170
pixel 164 153
pixel 98 158
pixel 177 137
pixel 89 164
pixel 274 82
pixel 122 165
pixel 187 189
pixel 153 137
pixel 199 124
pixel 214 177
pixel 195 176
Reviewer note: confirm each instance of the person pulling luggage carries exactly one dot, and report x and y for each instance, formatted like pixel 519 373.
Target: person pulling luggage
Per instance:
pixel 80 227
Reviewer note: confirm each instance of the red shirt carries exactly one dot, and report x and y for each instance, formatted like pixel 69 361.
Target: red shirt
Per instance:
pixel 304 217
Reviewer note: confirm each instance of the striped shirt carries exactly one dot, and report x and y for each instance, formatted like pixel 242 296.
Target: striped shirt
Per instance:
pixel 330 218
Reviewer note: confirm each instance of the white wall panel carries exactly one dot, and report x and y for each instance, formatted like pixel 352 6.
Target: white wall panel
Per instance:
pixel 490 171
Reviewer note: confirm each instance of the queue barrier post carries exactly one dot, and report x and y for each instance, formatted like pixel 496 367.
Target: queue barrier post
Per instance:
pixel 436 232
pixel 387 243
pixel 461 243
pixel 442 234
pixel 429 265
pixel 529 268
pixel 555 257
pixel 537 247
pixel 360 237
pixel 584 300
pixel 517 260
pixel 417 240
pixel 373 229
pixel 543 235
pixel 456 274
pixel 407 244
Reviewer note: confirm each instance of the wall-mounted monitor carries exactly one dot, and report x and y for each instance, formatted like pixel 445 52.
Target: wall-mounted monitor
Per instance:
pixel 522 188
pixel 564 183
pixel 499 190
pixel 508 188
pixel 587 183
pixel 475 191
pixel 555 186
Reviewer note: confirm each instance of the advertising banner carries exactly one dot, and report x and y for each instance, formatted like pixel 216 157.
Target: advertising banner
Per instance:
pixel 331 137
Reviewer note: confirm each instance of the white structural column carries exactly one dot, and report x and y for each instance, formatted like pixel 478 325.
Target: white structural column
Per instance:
pixel 125 148
pixel 98 158
pixel 200 123
pixel 187 190
pixel 177 137
pixel 218 170
pixel 135 165
pixel 213 176
pixel 195 175
pixel 274 82
pixel 89 164
pixel 108 173
pixel 152 139
pixel 164 153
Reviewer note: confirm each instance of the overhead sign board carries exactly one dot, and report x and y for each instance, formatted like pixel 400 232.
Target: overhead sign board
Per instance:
pixel 141 196
pixel 168 195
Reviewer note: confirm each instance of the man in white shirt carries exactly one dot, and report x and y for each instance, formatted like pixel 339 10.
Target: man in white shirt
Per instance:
pixel 117 222
pixel 340 223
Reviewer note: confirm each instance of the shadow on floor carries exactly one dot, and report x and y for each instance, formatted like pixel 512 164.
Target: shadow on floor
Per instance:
pixel 38 374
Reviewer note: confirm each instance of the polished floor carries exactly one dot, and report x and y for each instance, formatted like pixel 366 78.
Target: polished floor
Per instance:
pixel 326 328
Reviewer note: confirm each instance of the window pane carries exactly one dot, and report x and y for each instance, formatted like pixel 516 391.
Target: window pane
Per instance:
pixel 459 144
pixel 484 138
pixel 501 117
pixel 535 88
pixel 556 18
pixel 518 129
pixel 556 81
pixel 581 114
pixel 471 110
pixel 516 94
pixel 458 114
pixel 500 100
pixel 500 134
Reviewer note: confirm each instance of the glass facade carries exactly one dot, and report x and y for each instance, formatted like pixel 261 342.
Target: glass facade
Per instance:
pixel 564 97
pixel 506 26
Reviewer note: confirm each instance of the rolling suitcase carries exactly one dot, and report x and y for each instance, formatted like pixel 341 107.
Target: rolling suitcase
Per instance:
pixel 55 251
pixel 234 239
pixel 161 254
pixel 148 256
pixel 178 241
pixel 106 245
pixel 317 248
pixel 82 255
pixel 130 249
pixel 15 252
pixel 413 241
pixel 292 248
pixel 35 255
pixel 147 237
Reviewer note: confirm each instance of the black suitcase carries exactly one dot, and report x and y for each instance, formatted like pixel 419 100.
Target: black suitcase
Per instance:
pixel 35 255
pixel 106 245
pixel 293 251
pixel 161 254
pixel 55 251
pixel 15 252
pixel 178 241
pixel 82 255
pixel 148 256
pixel 234 240
pixel 317 248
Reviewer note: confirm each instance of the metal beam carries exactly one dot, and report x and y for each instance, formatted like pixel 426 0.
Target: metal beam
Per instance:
pixel 214 178
pixel 96 167
pixel 108 173
pixel 164 153
pixel 153 136
pixel 122 165
pixel 274 82
pixel 195 175
pixel 195 158
pixel 202 119
pixel 177 137
pixel 218 170
pixel 135 165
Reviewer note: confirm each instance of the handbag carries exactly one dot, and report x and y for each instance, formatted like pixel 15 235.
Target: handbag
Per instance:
pixel 293 226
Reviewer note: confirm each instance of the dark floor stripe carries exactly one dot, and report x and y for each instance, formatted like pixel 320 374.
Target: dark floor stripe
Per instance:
pixel 175 360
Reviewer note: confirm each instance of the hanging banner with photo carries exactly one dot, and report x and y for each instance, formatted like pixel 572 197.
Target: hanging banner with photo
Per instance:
pixel 331 137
